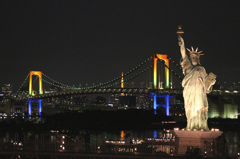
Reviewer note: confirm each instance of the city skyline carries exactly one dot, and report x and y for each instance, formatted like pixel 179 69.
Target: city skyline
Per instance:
pixel 95 41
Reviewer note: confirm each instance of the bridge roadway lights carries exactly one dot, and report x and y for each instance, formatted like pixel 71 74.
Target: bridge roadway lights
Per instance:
pixel 166 105
pixel 30 100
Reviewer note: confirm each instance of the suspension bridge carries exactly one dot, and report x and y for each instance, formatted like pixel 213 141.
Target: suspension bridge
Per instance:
pixel 156 74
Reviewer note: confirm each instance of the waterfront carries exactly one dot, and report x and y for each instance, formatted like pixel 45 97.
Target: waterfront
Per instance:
pixel 81 141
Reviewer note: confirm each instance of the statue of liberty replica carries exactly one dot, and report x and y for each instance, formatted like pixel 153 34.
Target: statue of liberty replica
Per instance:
pixel 196 83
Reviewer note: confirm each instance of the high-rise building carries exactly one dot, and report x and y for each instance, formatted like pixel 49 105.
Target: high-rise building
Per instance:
pixel 7 89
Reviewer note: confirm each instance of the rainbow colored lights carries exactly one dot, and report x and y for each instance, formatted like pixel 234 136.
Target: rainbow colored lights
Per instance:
pixel 31 93
pixel 165 58
pixel 39 74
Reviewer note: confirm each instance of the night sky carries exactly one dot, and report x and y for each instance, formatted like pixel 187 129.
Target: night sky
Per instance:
pixel 94 41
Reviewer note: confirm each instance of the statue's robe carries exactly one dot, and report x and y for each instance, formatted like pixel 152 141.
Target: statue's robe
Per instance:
pixel 195 97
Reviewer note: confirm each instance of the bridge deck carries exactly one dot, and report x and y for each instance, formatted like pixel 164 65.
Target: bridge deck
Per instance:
pixel 123 90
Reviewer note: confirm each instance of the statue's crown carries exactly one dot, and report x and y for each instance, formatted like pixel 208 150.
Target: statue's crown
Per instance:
pixel 194 51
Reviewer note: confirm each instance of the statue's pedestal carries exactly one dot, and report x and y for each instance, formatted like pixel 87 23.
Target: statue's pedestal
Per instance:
pixel 205 140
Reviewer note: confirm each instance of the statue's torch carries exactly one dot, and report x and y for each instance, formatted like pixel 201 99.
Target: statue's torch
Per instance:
pixel 179 33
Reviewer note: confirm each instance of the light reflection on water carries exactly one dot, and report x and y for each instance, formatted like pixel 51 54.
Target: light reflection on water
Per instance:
pixel 154 140
pixel 98 139
pixel 233 141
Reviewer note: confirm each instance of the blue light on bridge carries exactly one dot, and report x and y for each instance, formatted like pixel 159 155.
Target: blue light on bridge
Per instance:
pixel 166 105
pixel 155 134
pixel 155 104
pixel 30 106
pixel 40 107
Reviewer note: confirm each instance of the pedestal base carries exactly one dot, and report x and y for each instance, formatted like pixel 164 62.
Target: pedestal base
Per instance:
pixel 205 140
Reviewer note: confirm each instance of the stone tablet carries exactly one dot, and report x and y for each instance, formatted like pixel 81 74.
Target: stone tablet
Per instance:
pixel 211 76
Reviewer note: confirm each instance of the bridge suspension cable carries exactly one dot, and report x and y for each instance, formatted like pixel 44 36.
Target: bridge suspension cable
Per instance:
pixel 174 73
pixel 130 78
pixel 50 83
pixel 177 65
pixel 60 85
pixel 125 74
pixel 21 86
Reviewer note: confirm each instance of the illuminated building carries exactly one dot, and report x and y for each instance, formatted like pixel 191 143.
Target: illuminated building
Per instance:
pixel 5 101
pixel 6 89
pixel 223 107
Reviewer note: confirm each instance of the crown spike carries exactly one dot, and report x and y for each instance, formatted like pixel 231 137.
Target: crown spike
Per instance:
pixel 188 49
pixel 192 48
pixel 196 49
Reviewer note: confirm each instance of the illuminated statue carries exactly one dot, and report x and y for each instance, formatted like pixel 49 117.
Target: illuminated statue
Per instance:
pixel 196 84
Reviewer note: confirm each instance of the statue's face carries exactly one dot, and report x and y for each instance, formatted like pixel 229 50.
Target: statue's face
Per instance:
pixel 194 59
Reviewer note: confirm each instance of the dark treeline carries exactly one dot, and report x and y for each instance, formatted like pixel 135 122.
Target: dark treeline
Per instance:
pixel 99 119
pixel 107 120
pixel 90 119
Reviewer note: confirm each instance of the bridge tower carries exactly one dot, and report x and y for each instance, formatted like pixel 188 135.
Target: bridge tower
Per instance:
pixel 157 84
pixel 39 74
pixel 31 92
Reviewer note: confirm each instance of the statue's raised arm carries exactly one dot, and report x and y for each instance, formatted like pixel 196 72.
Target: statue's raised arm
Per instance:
pixel 182 47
